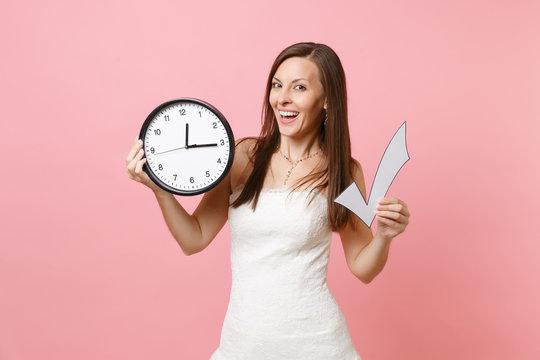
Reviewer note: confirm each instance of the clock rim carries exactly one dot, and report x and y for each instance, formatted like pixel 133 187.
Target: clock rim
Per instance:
pixel 230 135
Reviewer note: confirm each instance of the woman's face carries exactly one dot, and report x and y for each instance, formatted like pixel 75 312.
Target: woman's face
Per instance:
pixel 297 97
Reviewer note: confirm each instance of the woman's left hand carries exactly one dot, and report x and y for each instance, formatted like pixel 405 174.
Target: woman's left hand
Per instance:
pixel 392 217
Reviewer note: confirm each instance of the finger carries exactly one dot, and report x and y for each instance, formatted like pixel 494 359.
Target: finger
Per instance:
pixel 393 207
pixel 396 225
pixel 134 149
pixel 402 203
pixel 405 211
pixel 139 167
pixel 387 222
pixel 396 208
pixel 388 201
pixel 133 163
pixel 140 154
pixel 391 215
pixel 403 208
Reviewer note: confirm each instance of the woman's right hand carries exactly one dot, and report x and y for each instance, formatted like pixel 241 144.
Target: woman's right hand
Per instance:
pixel 134 164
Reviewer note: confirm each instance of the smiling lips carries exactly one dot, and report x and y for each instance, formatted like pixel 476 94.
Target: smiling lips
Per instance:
pixel 288 117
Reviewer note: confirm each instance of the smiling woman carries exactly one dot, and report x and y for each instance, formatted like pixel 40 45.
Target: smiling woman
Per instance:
pixel 309 79
pixel 278 199
pixel 297 98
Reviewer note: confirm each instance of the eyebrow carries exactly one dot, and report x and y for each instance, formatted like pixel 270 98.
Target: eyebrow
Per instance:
pixel 295 80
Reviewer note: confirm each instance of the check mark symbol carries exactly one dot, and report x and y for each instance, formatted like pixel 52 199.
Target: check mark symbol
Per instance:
pixel 393 159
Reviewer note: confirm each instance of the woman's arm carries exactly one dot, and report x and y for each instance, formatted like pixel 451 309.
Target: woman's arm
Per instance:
pixel 366 254
pixel 195 232
pixel 192 232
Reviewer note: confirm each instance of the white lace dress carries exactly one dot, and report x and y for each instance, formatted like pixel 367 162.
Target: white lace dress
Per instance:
pixel 280 306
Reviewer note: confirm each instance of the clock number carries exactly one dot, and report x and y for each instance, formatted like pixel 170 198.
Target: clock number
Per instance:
pixel 167 118
pixel 200 115
pixel 182 111
pixel 175 175
pixel 214 125
pixel 157 132
pixel 191 180
pixel 152 150
pixel 222 142
pixel 160 167
pixel 208 174
pixel 219 160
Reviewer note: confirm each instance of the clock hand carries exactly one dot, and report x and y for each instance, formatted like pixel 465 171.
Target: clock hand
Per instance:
pixel 187 134
pixel 186 147
pixel 166 151
pixel 200 145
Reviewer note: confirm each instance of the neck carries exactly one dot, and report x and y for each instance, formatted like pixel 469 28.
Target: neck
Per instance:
pixel 297 149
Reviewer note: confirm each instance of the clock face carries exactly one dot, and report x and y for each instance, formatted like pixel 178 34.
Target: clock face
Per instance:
pixel 188 145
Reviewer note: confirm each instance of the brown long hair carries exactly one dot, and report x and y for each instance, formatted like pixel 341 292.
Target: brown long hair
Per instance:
pixel 333 137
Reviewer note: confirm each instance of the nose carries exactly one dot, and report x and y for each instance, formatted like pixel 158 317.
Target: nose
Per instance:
pixel 284 97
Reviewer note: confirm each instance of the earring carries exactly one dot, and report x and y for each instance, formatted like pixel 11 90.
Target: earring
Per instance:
pixel 325 117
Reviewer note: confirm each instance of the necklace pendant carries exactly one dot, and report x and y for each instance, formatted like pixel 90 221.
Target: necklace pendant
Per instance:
pixel 294 163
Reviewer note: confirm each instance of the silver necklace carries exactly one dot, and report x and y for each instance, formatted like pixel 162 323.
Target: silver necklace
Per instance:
pixel 294 163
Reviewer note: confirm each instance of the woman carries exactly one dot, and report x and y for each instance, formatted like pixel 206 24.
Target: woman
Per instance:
pixel 278 198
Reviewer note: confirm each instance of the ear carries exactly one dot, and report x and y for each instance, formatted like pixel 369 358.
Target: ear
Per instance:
pixel 325 104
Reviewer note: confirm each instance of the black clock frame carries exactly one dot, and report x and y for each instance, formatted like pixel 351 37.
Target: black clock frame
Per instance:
pixel 230 135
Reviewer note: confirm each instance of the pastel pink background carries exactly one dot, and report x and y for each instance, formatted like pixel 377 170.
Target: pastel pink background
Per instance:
pixel 88 269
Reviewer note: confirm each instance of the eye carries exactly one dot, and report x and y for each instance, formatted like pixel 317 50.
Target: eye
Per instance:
pixel 276 85
pixel 300 87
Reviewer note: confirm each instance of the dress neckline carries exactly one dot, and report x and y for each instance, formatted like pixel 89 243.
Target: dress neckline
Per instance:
pixel 280 190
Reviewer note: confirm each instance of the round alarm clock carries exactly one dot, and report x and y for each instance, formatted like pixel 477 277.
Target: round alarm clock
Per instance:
pixel 188 145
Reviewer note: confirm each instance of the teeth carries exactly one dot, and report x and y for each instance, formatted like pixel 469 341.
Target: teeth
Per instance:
pixel 288 113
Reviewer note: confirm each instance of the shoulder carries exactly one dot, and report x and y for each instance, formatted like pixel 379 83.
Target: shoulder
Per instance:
pixel 244 151
pixel 242 164
pixel 246 146
pixel 356 169
pixel 358 175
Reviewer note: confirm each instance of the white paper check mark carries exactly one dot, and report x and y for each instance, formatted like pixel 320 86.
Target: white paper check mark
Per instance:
pixel 394 157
